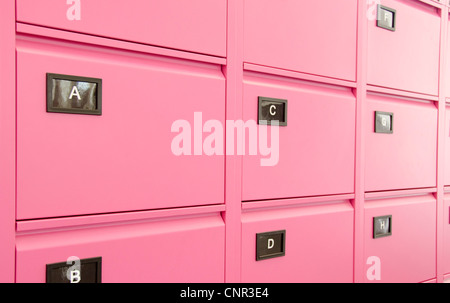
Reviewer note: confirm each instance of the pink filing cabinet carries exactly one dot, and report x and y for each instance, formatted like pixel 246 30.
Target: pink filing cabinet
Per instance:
pixel 104 183
pixel 405 156
pixel 316 147
pixel 404 248
pixel 176 250
pixel 406 57
pixel 195 25
pixel 318 244
pixel 71 164
pixel 313 37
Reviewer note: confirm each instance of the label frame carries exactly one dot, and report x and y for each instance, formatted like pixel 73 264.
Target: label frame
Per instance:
pixel 49 101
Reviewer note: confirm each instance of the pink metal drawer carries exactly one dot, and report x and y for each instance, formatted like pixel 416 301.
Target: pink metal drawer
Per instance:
pixel 187 250
pixel 408 255
pixel 446 229
pixel 407 58
pixel 314 154
pixel 314 37
pixel 69 164
pixel 405 158
pixel 447 146
pixel 318 244
pixel 194 25
pixel 447 63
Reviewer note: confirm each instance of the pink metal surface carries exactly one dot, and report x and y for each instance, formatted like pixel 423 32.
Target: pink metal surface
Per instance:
pixel 195 25
pixel 407 58
pixel 409 254
pixel 361 95
pixel 447 146
pixel 446 234
pixel 407 157
pixel 7 146
pixel 446 62
pixel 114 218
pixel 316 148
pixel 23 28
pixel 233 177
pixel 319 244
pixel 120 161
pixel 185 250
pixel 313 37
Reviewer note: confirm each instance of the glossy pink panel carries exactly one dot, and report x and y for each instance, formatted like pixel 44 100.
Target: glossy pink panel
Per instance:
pixel 319 244
pixel 409 254
pixel 407 58
pixel 314 37
pixel 446 230
pixel 187 250
pixel 316 148
pixel 77 164
pixel 195 25
pixel 447 146
pixel 407 157
pixel 447 63
pixel 7 141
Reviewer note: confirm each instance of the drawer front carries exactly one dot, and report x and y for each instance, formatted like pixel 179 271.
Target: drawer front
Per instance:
pixel 446 229
pixel 447 146
pixel 305 36
pixel 318 244
pixel 405 157
pixel 194 25
pixel 313 154
pixel 447 64
pixel 407 58
pixel 127 158
pixel 189 250
pixel 408 255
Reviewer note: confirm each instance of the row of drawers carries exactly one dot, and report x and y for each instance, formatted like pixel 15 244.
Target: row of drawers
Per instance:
pixel 163 125
pixel 294 36
pixel 316 245
pixel 128 158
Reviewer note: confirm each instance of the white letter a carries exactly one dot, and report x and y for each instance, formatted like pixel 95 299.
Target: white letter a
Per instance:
pixel 75 92
pixel 181 144
pixel 74 12
pixel 374 271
